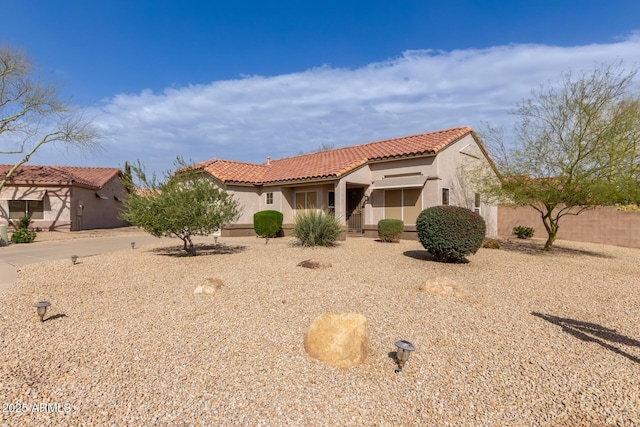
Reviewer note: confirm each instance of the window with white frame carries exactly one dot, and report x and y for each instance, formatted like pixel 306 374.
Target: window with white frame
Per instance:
pixel 269 198
pixel 476 204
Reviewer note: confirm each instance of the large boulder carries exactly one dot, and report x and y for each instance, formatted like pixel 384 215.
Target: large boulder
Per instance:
pixel 338 339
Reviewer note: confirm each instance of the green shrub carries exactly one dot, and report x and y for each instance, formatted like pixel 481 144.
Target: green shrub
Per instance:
pixel 267 223
pixel 390 230
pixel 523 232
pixel 316 228
pixel 450 233
pixel 22 233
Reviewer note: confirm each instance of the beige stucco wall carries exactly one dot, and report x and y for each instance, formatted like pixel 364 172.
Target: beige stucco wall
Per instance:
pixel 604 224
pixel 253 199
pixel 56 204
pixel 374 208
pixel 454 164
pixel 89 211
pixel 249 201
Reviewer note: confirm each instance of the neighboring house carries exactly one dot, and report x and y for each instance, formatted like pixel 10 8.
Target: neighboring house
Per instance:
pixel 362 184
pixel 63 198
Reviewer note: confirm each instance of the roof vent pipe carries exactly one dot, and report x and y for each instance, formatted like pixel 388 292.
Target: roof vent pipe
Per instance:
pixel 268 160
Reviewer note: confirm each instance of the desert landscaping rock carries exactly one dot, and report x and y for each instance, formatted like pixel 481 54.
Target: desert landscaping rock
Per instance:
pixel 541 339
pixel 209 286
pixel 442 286
pixel 311 263
pixel 338 339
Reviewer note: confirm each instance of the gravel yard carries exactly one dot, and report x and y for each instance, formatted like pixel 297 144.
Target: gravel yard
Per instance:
pixel 538 339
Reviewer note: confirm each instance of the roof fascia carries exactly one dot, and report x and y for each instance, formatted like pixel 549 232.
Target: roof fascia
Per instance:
pixel 399 158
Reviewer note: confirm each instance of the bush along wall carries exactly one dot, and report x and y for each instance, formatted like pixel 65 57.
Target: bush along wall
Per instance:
pixel 22 233
pixel 450 233
pixel 390 230
pixel 268 223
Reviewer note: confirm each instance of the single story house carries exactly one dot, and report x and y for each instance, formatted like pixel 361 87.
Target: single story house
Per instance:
pixel 362 184
pixel 63 198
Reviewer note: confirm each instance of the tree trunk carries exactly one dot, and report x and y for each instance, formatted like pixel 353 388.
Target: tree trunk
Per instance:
pixel 188 245
pixel 551 225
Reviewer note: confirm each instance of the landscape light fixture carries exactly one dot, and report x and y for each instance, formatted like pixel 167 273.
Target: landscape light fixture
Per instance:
pixel 215 239
pixel 74 259
pixel 402 354
pixel 42 308
pixel 133 245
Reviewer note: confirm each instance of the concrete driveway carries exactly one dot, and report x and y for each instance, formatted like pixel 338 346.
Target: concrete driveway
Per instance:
pixel 15 255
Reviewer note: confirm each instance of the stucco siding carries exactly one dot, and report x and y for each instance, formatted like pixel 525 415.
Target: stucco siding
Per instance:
pixel 92 209
pixel 375 209
pixel 454 164
pixel 56 208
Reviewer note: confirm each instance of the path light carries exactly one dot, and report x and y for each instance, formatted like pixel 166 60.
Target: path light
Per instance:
pixel 402 354
pixel 74 259
pixel 266 240
pixel 133 245
pixel 215 239
pixel 42 308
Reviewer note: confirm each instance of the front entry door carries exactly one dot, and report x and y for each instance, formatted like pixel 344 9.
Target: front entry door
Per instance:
pixel 355 208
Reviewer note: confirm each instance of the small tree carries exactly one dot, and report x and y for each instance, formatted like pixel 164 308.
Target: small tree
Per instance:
pixel 33 114
pixel 186 204
pixel 576 146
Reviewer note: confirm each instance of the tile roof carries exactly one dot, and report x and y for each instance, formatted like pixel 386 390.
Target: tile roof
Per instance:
pixel 91 177
pixel 331 163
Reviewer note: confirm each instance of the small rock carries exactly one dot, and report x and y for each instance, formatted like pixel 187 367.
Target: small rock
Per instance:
pixel 310 263
pixel 442 286
pixel 209 286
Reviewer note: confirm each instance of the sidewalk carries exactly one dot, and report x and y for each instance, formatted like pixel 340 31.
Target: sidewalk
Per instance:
pixel 16 255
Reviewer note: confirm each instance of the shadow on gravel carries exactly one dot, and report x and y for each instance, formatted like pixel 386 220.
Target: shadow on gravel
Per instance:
pixel 426 256
pixel 201 249
pixel 533 247
pixel 54 317
pixel 592 332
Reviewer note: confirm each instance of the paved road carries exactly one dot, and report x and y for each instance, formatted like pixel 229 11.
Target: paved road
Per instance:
pixel 16 255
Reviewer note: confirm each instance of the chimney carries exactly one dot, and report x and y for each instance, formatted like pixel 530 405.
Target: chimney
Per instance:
pixel 268 160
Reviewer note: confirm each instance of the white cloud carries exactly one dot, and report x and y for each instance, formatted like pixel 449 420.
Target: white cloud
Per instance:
pixel 422 90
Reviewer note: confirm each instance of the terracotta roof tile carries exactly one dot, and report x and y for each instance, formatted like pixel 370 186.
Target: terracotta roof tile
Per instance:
pixel 60 175
pixel 331 163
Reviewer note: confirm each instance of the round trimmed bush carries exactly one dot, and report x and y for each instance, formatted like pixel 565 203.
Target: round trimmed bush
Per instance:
pixel 450 233
pixel 390 230
pixel 267 223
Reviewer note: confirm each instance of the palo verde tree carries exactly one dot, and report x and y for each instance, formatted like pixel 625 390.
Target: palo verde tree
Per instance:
pixel 576 145
pixel 33 114
pixel 187 203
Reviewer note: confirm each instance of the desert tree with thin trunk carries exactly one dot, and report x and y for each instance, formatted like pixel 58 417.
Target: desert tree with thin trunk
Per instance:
pixel 33 113
pixel 575 145
pixel 186 204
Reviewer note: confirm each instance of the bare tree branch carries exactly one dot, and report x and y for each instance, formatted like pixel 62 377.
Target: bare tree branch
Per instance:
pixel 32 113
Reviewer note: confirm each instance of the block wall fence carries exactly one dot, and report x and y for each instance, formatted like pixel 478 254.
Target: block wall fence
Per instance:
pixel 604 224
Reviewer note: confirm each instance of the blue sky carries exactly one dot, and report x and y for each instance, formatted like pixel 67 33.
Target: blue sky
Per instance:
pixel 245 79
